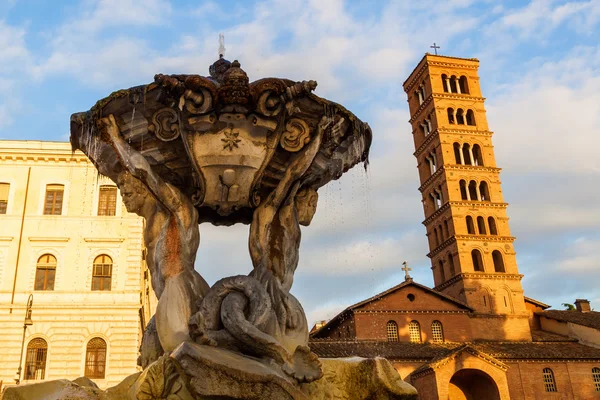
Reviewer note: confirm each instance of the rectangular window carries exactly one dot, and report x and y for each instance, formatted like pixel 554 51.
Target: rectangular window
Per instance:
pixel 54 199
pixel 107 201
pixel 4 189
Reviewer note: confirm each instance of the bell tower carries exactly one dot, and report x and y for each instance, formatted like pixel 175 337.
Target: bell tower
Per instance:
pixel 471 248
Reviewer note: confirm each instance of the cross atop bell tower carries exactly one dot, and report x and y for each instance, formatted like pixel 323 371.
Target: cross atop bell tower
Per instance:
pixel 471 248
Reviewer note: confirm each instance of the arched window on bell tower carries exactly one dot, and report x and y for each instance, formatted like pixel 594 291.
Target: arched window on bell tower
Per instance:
pixel 442 273
pixel 477 157
pixel 498 261
pixel 453 84
pixel 451 119
pixel 470 117
pixel 473 194
pixel 470 225
pixel 445 83
pixel 492 224
pixel 451 265
pixel 477 260
pixel 463 189
pixel 463 85
pixel 457 157
pixel 481 225
pixel 460 116
pixel 466 149
pixel 484 191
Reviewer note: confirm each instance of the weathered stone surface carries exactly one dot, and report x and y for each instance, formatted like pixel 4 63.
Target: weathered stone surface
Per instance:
pixel 218 372
pixel 197 372
pixel 359 379
pixel 53 390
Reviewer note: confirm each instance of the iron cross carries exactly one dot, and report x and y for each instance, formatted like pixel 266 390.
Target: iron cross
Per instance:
pixel 435 47
pixel 406 269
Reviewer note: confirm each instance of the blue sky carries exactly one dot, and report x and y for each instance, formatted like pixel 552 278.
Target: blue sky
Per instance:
pixel 539 70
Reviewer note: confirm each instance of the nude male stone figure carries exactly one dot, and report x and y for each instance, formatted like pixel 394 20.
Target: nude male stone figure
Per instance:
pixel 171 236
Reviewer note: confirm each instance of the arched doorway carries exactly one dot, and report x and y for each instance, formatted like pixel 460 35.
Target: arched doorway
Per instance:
pixel 472 384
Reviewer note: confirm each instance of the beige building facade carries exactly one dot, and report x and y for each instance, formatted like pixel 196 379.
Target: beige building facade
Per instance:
pixel 66 238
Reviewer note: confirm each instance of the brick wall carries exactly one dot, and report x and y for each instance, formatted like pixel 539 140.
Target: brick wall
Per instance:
pixel 573 380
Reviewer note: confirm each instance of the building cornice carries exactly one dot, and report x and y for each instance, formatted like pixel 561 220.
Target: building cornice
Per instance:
pixel 478 275
pixel 46 158
pixel 437 250
pixel 104 240
pixel 421 108
pixel 427 61
pixel 432 178
pixel 426 142
pixel 468 203
pixel 471 168
pixel 6 238
pixel 465 131
pixel 480 168
pixel 445 96
pixel 48 239
pixel 441 130
pixel 481 238
pixel 487 238
pixel 437 213
pixel 412 312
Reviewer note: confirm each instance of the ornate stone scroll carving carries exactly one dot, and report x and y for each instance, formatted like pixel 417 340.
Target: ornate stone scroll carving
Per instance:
pixel 297 134
pixel 165 124
pixel 269 104
pixel 196 102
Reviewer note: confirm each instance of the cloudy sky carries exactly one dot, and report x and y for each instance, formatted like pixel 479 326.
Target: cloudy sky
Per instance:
pixel 539 69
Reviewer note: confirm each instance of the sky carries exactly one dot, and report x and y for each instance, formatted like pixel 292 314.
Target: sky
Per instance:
pixel 539 71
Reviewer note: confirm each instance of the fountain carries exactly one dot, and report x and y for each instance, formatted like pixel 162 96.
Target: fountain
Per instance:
pixel 188 149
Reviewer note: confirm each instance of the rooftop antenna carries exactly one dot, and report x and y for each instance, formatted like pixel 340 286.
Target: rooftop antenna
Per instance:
pixel 221 45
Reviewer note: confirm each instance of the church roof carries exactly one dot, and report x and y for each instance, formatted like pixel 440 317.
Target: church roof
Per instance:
pixel 406 283
pixel 590 319
pixel 536 302
pixel 371 348
pixel 399 351
pixel 544 336
pixel 410 282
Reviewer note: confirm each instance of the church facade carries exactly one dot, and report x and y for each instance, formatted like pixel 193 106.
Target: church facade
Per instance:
pixel 67 240
pixel 475 335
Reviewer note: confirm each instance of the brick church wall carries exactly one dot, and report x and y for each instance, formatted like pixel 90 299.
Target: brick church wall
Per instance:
pixel 372 326
pixel 525 380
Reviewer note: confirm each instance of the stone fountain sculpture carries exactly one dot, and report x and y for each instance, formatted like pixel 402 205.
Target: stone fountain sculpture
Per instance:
pixel 188 149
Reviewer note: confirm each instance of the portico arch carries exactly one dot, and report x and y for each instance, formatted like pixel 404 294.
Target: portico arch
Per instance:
pixel 472 384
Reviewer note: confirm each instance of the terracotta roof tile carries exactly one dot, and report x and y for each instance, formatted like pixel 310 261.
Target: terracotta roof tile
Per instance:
pixel 431 351
pixel 590 319
pixel 536 302
pixel 389 350
pixel 543 336
pixel 538 351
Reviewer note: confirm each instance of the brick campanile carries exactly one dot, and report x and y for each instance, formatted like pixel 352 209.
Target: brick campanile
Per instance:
pixel 471 249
